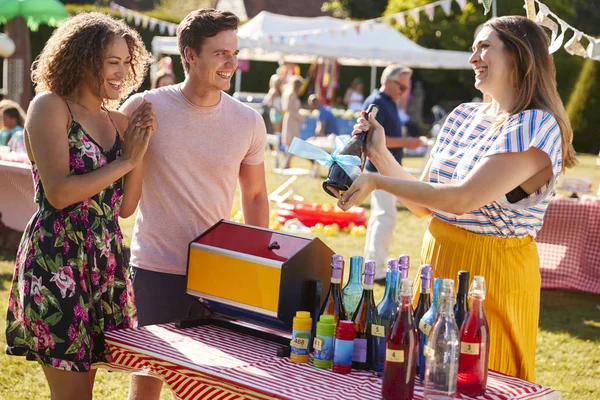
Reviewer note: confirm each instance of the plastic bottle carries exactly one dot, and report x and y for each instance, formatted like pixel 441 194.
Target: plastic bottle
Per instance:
pixel 323 343
pixel 344 345
pixel 301 325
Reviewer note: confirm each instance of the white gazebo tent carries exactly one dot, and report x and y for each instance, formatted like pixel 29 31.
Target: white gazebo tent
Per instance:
pixel 274 37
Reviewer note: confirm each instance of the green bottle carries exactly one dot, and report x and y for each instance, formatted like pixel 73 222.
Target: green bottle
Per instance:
pixel 323 343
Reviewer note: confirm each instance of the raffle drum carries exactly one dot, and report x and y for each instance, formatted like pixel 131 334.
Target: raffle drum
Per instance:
pixel 258 275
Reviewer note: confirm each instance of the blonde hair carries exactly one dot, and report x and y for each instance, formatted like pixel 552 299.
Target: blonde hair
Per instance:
pixel 534 75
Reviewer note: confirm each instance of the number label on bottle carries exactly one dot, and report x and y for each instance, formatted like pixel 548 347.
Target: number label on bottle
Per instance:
pixel 378 330
pixel 300 343
pixel 469 348
pixel 424 327
pixel 392 355
pixel 428 351
pixel 318 344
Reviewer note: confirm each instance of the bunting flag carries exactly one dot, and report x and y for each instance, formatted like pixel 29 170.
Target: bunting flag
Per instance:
pixel 144 21
pixel 462 4
pixel 446 6
pixel 400 19
pixel 414 14
pixel 559 28
pixel 487 5
pixel 430 11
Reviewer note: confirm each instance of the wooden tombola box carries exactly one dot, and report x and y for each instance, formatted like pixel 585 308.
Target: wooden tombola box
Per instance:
pixel 258 275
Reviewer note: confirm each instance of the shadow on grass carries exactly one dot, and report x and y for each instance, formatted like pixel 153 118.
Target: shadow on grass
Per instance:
pixel 574 313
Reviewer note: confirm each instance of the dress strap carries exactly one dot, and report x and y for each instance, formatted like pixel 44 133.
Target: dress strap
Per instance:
pixel 68 107
pixel 111 120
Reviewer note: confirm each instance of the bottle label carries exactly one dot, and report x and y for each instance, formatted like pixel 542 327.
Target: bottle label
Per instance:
pixel 469 348
pixel 367 286
pixel 392 355
pixel 318 343
pixel 428 351
pixel 300 342
pixel 359 350
pixel 378 330
pixel 342 354
pixel 424 327
pixel 323 347
pixel 336 280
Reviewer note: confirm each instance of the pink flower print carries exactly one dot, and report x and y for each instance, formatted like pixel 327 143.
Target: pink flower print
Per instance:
pixel 111 326
pixel 36 290
pixel 40 235
pixel 89 241
pixel 62 364
pixel 66 245
pixel 81 353
pixel 115 197
pixel 76 163
pixel 11 303
pixel 123 300
pixel 58 226
pixel 80 313
pixel 43 334
pixel 111 265
pixel 85 204
pixel 95 277
pixel 64 281
pixel 102 160
pixel 88 148
pixel 72 333
pixel 106 248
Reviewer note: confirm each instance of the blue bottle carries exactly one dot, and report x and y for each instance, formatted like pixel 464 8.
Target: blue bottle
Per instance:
pixel 352 292
pixel 387 309
pixel 427 322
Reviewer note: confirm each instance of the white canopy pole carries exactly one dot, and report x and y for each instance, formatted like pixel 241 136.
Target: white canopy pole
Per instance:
pixel 373 78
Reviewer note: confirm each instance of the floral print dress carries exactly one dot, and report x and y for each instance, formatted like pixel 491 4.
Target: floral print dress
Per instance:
pixel 72 279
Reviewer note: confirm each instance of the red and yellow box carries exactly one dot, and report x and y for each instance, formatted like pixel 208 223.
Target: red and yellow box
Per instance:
pixel 257 274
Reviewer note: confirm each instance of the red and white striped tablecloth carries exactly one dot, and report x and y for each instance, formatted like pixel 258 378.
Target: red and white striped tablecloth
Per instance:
pixel 214 363
pixel 17 203
pixel 569 246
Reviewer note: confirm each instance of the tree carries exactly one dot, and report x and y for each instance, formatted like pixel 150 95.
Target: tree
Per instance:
pixel 356 9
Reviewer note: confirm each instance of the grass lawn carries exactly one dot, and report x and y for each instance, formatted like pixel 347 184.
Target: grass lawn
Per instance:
pixel 568 344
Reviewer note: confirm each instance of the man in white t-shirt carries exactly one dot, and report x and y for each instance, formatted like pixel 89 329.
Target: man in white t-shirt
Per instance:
pixel 205 142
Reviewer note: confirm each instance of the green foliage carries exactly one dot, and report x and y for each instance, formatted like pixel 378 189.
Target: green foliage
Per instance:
pixel 582 109
pixel 356 9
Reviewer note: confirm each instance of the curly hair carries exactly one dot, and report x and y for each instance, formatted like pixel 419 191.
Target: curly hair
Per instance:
pixel 78 48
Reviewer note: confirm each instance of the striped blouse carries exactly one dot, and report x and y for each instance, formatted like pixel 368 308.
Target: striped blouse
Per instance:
pixel 466 139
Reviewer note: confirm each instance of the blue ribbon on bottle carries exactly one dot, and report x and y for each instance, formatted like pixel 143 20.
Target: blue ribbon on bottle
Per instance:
pixel 350 164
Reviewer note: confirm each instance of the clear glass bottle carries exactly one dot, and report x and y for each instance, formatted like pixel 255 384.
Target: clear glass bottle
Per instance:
pixel 401 350
pixel 474 345
pixel 364 319
pixel 387 309
pixel 334 304
pixel 442 350
pixel 353 289
pixel 461 308
pixel 426 323
pixel 423 305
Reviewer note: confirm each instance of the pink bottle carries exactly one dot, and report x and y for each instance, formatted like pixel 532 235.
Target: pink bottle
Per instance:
pixel 474 345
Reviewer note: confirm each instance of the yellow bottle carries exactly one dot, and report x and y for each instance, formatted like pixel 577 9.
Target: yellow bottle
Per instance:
pixel 301 335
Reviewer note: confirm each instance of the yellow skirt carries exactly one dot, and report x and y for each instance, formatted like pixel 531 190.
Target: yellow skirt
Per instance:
pixel 512 277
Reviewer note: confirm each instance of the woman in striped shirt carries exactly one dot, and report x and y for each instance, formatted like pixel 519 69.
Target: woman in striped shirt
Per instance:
pixel 488 183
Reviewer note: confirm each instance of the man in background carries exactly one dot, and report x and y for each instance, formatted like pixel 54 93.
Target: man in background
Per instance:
pixel 395 85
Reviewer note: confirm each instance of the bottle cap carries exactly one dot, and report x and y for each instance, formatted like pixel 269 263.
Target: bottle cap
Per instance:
pixel 345 330
pixel 302 321
pixel 337 264
pixel 327 319
pixel 326 326
pixel 426 276
pixel 370 267
pixel 404 264
pixel 477 290
pixel 448 287
pixel 463 281
pixel 393 265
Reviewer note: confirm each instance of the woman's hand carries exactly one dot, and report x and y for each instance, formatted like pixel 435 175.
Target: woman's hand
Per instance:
pixel 141 127
pixel 376 139
pixel 358 192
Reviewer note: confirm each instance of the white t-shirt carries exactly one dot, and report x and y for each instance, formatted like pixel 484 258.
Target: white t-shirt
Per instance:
pixel 190 172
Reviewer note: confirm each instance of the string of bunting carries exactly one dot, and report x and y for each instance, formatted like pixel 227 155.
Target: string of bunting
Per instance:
pixel 145 21
pixel 559 29
pixel 400 18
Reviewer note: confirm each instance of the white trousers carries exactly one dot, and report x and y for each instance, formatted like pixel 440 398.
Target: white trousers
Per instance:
pixel 380 229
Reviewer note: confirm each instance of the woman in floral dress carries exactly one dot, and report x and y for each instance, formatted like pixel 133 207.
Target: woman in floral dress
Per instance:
pixel 72 280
